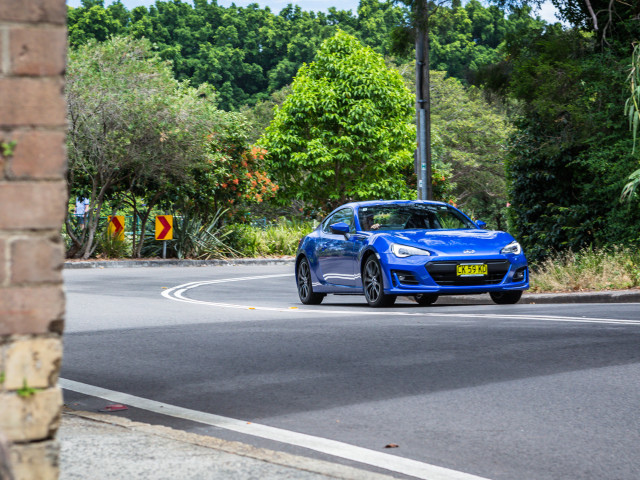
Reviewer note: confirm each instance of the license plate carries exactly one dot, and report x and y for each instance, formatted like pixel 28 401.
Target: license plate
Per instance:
pixel 473 270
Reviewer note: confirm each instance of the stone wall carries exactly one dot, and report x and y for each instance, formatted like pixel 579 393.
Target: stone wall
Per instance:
pixel 33 203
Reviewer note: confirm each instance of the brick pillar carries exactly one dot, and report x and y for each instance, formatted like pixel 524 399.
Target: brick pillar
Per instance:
pixel 33 203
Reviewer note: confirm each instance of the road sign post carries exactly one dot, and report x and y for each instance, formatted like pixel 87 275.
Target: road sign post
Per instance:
pixel 164 231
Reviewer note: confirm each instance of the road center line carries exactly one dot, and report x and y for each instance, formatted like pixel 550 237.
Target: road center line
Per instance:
pixel 331 447
pixel 177 293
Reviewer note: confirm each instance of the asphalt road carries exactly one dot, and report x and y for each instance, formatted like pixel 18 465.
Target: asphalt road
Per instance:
pixel 501 392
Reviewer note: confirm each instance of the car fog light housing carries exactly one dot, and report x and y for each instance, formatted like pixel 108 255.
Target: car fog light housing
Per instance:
pixel 403 251
pixel 519 275
pixel 513 247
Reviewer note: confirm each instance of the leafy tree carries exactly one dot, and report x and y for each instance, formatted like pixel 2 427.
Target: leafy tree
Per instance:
pixel 344 133
pixel 94 22
pixel 473 136
pixel 261 115
pixel 247 53
pixel 568 162
pixel 136 134
pixel 469 140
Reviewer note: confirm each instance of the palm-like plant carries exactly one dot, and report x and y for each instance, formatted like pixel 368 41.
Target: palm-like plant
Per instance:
pixel 632 110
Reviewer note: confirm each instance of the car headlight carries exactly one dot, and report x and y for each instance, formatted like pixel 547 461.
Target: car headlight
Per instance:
pixel 513 247
pixel 406 251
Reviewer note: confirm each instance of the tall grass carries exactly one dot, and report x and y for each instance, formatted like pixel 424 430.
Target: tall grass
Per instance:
pixel 273 240
pixel 600 269
pixel 110 246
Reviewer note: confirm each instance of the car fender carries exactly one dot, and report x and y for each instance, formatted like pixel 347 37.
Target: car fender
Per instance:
pixel 365 253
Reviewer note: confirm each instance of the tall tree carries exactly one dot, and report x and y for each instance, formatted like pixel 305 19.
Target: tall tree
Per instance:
pixel 135 131
pixel 345 131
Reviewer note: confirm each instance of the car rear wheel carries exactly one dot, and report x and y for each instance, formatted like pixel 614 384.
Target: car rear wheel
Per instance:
pixel 374 285
pixel 506 298
pixel 426 298
pixel 305 290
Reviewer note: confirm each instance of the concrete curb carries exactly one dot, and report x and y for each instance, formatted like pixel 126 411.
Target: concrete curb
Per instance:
pixel 611 296
pixel 321 467
pixel 176 263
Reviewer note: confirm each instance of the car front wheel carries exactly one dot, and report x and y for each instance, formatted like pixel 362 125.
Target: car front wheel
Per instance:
pixel 374 285
pixel 506 298
pixel 305 290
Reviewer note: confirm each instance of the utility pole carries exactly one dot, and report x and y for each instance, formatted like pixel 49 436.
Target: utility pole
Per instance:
pixel 423 102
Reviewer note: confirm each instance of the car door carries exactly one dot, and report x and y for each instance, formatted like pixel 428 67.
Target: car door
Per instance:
pixel 336 252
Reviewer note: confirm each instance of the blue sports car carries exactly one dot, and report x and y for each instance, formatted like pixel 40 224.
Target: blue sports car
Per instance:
pixel 423 249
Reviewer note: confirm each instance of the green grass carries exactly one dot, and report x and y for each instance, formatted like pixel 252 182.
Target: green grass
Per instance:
pixel 601 269
pixel 274 240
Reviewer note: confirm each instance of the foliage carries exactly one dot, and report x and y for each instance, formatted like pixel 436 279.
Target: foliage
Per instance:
pixel 124 110
pixel 241 178
pixel 247 53
pixel 140 138
pixel 261 114
pixel 271 240
pixel 243 52
pixel 7 148
pixel 110 246
pixel 192 238
pixel 601 269
pixel 569 157
pixel 632 110
pixel 468 140
pixel 344 133
pixel 26 391
pixel 473 136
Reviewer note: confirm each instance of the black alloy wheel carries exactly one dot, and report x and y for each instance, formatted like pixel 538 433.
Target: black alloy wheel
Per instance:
pixel 506 298
pixel 374 285
pixel 305 290
pixel 426 298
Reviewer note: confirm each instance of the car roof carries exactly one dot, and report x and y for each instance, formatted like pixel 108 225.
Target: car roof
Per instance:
pixel 370 203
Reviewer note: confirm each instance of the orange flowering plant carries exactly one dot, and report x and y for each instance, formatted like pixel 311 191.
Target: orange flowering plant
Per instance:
pixel 235 172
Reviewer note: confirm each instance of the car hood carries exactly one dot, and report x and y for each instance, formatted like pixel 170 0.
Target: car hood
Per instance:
pixel 450 242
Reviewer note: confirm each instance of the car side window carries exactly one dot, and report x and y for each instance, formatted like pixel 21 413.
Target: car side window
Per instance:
pixel 345 215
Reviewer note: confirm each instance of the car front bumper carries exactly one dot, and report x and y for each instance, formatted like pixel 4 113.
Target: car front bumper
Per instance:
pixel 437 275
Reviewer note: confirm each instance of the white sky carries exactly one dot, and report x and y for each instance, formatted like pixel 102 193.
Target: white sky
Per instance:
pixel 547 12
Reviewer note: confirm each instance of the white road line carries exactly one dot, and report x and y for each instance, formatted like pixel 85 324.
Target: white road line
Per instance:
pixel 331 447
pixel 177 294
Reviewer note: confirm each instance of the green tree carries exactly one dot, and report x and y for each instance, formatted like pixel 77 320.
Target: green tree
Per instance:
pixel 136 134
pixel 93 22
pixel 569 158
pixel 344 133
pixel 473 137
pixel 261 114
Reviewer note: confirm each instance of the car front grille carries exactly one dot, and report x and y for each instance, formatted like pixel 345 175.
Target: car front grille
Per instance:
pixel 444 272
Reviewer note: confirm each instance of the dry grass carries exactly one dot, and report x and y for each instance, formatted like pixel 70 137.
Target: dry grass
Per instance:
pixel 603 269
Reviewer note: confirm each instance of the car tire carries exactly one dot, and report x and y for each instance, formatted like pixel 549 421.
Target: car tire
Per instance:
pixel 425 298
pixel 506 298
pixel 305 289
pixel 373 284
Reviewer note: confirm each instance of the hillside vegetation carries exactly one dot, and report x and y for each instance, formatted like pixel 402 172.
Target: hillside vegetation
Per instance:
pixel 529 129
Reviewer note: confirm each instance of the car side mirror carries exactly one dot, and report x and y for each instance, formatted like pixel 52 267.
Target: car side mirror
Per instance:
pixel 340 228
pixel 481 224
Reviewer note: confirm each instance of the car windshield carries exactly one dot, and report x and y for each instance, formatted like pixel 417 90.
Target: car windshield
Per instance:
pixel 412 217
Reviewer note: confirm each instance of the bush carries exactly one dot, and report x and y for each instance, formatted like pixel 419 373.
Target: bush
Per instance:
pixel 192 239
pixel 110 246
